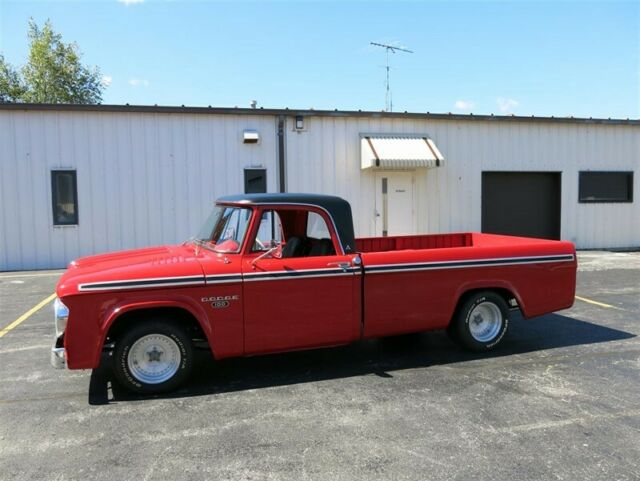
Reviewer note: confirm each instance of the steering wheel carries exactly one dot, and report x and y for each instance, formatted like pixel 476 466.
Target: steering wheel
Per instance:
pixel 261 245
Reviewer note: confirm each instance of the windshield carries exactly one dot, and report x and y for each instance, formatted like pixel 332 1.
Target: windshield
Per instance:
pixel 224 229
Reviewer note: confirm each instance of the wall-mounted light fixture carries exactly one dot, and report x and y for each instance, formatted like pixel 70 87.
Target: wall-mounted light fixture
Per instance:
pixel 299 122
pixel 250 137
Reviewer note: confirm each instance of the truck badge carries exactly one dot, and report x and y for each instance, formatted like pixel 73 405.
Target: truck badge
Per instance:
pixel 220 302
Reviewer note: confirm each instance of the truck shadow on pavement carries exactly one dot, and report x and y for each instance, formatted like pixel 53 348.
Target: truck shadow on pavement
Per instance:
pixel 379 357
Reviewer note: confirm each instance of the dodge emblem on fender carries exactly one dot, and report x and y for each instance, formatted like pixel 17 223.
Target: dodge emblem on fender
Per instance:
pixel 220 302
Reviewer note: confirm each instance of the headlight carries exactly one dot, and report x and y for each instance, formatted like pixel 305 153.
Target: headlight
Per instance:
pixel 61 315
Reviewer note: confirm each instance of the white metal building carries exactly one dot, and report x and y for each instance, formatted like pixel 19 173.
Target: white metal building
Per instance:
pixel 78 180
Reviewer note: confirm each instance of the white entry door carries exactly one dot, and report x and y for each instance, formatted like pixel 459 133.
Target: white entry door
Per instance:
pixel 395 203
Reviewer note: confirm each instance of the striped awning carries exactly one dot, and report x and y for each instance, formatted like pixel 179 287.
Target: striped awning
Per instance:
pixel 399 152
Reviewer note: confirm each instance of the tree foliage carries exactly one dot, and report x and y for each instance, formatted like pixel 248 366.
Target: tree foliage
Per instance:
pixel 11 86
pixel 53 72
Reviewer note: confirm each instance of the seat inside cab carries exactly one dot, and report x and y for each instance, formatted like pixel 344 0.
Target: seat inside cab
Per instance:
pixel 302 233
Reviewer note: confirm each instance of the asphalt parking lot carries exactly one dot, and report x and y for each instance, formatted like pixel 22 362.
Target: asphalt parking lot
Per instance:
pixel 560 400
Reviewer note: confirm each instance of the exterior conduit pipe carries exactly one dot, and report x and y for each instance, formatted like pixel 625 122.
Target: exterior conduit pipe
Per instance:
pixel 282 165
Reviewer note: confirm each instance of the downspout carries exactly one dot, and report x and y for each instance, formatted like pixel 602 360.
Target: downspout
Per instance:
pixel 282 166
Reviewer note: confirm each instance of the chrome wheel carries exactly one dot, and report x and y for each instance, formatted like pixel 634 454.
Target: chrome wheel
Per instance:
pixel 485 322
pixel 154 359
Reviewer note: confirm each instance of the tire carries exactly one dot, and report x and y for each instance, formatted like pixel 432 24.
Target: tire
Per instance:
pixel 452 332
pixel 481 321
pixel 154 356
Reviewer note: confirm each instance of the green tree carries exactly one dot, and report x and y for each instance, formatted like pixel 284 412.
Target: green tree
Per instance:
pixel 11 87
pixel 53 73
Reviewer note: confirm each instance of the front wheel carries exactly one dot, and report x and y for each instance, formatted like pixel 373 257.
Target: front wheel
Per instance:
pixel 481 321
pixel 154 356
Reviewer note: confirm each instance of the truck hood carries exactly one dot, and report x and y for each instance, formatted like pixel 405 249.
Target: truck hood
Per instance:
pixel 152 267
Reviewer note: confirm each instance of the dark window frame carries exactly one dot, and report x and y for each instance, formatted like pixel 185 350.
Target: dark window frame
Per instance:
pixel 583 198
pixel 256 169
pixel 54 203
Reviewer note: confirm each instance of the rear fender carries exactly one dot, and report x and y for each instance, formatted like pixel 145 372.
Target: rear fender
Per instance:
pixel 488 285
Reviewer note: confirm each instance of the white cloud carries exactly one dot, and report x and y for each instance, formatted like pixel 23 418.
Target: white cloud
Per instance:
pixel 106 80
pixel 139 82
pixel 464 104
pixel 506 105
pixel 130 2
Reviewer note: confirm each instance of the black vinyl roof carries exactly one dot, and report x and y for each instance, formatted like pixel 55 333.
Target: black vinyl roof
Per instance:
pixel 338 209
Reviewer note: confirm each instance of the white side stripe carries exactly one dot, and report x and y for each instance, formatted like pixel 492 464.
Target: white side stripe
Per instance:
pixel 468 263
pixel 316 273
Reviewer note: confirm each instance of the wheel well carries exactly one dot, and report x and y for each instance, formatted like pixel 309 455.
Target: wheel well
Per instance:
pixel 506 294
pixel 176 314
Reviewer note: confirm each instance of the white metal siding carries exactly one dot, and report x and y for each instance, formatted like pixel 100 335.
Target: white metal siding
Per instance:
pixel 143 179
pixel 325 158
pixel 150 178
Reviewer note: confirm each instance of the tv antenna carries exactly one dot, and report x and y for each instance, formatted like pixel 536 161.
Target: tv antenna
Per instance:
pixel 388 101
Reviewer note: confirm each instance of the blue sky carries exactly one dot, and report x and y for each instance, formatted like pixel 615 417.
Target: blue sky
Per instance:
pixel 527 58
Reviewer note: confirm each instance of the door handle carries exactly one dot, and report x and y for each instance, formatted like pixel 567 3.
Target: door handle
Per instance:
pixel 342 265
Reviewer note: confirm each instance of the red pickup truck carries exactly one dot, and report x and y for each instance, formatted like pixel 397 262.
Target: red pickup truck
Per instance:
pixel 279 272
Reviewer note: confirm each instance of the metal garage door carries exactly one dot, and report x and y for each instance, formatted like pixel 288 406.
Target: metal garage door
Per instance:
pixel 521 203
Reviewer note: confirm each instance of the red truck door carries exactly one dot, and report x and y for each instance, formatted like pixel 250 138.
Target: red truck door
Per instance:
pixel 308 297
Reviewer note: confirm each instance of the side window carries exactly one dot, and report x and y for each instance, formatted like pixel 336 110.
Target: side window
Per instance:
pixel 317 227
pixel 64 196
pixel 269 231
pixel 319 241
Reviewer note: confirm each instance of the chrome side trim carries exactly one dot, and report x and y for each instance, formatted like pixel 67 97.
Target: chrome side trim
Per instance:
pixel 308 273
pixel 142 283
pixel 288 278
pixel 461 264
pixel 299 274
pixel 223 278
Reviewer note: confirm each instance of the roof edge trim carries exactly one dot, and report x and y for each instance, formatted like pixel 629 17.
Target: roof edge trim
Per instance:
pixel 308 112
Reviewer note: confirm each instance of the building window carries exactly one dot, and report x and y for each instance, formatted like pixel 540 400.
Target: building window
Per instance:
pixel 606 187
pixel 64 194
pixel 255 181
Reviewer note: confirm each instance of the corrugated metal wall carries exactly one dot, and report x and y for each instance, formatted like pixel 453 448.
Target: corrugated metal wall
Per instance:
pixel 326 158
pixel 150 178
pixel 143 179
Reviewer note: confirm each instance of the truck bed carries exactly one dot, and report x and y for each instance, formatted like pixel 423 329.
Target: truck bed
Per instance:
pixel 441 241
pixel 398 243
pixel 413 283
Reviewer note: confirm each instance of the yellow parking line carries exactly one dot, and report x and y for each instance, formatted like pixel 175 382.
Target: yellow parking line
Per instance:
pixel 28 314
pixel 596 303
pixel 15 276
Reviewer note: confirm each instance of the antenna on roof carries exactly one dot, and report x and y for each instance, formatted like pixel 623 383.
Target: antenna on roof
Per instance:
pixel 388 101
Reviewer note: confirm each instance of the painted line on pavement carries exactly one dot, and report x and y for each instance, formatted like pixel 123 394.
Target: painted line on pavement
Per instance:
pixel 15 276
pixel 27 314
pixel 596 303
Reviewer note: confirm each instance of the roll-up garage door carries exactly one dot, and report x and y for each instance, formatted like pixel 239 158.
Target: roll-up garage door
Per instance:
pixel 521 203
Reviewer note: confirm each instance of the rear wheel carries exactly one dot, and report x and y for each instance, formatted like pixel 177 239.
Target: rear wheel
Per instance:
pixel 154 356
pixel 481 321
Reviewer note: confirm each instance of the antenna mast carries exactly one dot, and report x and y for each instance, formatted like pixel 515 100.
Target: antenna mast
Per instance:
pixel 388 101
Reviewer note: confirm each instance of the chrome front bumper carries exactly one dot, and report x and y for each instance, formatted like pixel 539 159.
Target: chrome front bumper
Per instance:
pixel 58 354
